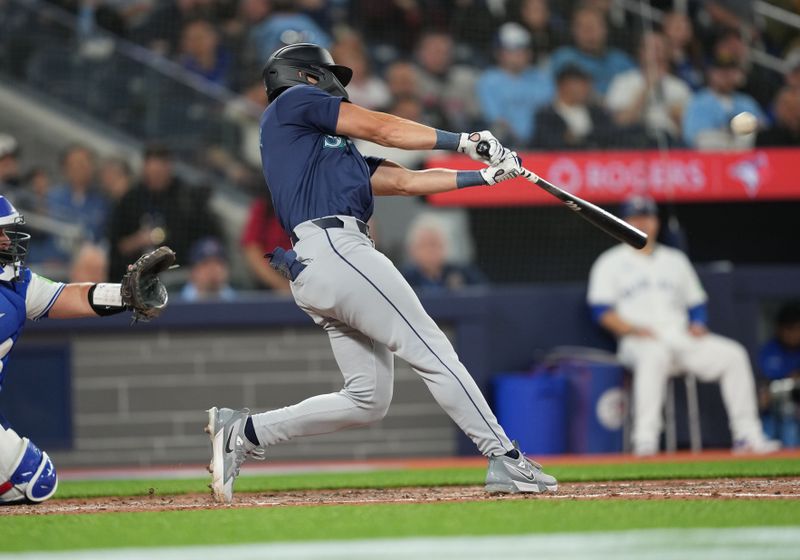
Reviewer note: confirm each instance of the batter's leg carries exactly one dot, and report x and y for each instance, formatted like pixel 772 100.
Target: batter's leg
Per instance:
pixel 368 370
pixel 362 288
pixel 651 363
pixel 716 358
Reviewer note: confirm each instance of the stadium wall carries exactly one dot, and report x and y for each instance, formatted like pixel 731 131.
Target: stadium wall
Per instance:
pixel 137 394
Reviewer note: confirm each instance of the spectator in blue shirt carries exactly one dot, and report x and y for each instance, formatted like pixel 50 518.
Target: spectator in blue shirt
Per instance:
pixel 591 51
pixel 286 25
pixel 428 266
pixel 77 200
pixel 706 121
pixel 510 92
pixel 779 359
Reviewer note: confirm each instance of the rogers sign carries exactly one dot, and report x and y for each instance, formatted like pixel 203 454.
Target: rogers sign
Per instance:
pixel 620 176
pixel 608 177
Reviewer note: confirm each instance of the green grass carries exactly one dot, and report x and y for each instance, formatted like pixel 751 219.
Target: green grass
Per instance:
pixel 434 477
pixel 504 517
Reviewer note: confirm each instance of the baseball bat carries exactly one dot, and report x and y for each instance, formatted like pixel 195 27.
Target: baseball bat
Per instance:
pixel 595 215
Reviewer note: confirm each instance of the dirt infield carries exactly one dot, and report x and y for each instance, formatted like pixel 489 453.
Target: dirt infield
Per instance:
pixel 715 489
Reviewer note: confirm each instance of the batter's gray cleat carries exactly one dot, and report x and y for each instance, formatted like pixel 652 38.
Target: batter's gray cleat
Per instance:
pixel 229 449
pixel 518 475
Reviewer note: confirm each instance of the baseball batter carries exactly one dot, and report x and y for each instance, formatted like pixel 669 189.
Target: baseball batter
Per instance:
pixel 26 473
pixel 652 301
pixel 322 190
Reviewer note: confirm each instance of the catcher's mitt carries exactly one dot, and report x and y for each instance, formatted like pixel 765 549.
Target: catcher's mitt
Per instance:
pixel 142 290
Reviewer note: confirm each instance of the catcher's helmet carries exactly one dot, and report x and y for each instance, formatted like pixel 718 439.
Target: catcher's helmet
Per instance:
pixel 293 64
pixel 14 254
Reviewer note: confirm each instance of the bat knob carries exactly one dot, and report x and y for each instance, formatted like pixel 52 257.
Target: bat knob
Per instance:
pixel 483 148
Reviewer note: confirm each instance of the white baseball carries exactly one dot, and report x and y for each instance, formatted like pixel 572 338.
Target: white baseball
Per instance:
pixel 744 123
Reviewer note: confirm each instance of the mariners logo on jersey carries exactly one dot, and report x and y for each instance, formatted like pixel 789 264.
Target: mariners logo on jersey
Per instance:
pixel 335 141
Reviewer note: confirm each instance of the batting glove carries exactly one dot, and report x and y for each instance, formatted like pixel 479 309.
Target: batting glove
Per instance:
pixel 468 144
pixel 507 168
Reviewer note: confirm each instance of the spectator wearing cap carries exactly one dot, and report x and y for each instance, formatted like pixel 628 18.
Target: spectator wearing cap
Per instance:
pixel 706 121
pixel 208 277
pixel 652 301
pixel 510 92
pixel 261 234
pixel 77 199
pixel 785 130
pixel 649 96
pixel 779 360
pixel 574 120
pixel 591 50
pixel 160 210
pixel 9 164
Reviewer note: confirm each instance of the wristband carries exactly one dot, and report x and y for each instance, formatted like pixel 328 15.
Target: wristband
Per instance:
pixel 469 179
pixel 446 140
pixel 106 299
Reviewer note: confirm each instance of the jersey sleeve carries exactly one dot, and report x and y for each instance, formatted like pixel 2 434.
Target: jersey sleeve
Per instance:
pixel 311 107
pixel 373 163
pixel 601 284
pixel 41 295
pixel 695 294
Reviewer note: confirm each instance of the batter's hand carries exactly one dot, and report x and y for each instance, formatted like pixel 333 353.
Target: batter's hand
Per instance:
pixel 468 144
pixel 507 168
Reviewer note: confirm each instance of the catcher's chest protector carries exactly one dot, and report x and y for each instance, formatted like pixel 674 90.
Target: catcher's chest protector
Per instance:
pixel 12 314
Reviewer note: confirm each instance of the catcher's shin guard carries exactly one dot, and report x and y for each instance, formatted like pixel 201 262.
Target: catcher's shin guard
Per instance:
pixel 32 479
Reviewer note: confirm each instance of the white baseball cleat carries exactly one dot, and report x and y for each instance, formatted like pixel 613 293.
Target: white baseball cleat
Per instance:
pixel 229 449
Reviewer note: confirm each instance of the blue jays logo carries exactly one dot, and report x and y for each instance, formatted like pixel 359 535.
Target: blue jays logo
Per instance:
pixel 335 141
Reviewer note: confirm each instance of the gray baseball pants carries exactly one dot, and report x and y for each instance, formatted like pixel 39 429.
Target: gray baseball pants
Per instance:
pixel 371 314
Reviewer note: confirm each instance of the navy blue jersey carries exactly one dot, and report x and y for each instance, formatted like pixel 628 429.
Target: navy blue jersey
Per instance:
pixel 310 171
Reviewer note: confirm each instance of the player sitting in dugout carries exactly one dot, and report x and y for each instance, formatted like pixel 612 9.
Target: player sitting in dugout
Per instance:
pixel 652 301
pixel 26 472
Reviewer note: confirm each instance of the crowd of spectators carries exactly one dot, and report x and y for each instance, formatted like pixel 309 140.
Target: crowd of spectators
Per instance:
pixel 467 64
pixel 96 217
pixel 542 75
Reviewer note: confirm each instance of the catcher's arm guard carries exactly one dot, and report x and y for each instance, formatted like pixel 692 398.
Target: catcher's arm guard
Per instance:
pixel 141 289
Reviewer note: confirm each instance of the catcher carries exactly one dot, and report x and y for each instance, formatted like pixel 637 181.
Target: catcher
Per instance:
pixel 26 472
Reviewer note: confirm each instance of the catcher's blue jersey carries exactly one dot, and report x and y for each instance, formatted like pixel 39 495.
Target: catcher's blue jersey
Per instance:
pixel 310 171
pixel 29 297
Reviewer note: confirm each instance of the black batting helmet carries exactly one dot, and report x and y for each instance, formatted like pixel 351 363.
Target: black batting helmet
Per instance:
pixel 291 65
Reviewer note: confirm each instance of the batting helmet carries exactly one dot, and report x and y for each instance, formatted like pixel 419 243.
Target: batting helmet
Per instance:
pixel 13 253
pixel 294 64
